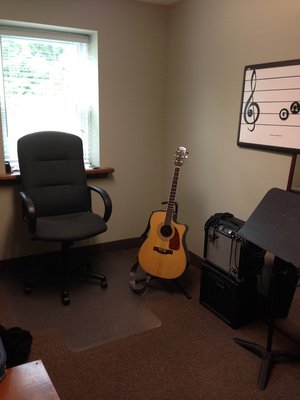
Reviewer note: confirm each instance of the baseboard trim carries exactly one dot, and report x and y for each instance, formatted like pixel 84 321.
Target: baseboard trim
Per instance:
pixel 116 245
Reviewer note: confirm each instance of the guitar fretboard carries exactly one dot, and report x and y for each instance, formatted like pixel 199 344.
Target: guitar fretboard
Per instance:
pixel 171 202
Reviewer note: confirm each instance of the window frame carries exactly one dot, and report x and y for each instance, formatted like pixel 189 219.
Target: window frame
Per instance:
pixel 14 28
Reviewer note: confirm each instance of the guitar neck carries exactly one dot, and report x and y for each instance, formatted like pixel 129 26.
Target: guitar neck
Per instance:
pixel 172 196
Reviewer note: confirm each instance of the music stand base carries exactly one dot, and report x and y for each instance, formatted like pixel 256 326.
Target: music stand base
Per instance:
pixel 269 358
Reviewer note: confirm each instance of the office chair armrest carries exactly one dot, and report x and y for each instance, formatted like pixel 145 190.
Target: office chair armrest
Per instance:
pixel 106 200
pixel 29 214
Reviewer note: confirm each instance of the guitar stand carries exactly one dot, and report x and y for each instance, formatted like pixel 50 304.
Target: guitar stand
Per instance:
pixel 141 285
pixel 268 356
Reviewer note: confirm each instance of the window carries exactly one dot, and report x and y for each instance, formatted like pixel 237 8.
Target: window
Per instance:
pixel 46 83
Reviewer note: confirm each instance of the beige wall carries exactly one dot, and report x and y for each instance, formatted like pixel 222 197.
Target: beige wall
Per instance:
pixel 210 43
pixel 170 76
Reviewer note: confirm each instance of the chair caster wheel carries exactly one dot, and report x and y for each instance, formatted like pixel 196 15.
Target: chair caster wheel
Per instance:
pixel 27 290
pixel 104 284
pixel 65 298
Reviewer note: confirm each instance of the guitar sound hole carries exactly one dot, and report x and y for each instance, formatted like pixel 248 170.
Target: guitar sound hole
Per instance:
pixel 166 231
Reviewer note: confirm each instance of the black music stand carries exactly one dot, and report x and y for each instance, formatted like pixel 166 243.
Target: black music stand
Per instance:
pixel 274 226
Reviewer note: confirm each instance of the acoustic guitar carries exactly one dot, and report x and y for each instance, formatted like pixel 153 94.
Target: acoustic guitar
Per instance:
pixel 163 254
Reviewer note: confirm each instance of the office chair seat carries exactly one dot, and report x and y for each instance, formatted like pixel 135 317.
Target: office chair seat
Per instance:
pixel 69 227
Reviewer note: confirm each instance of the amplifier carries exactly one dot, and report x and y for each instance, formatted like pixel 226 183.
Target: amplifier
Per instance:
pixel 227 251
pixel 234 302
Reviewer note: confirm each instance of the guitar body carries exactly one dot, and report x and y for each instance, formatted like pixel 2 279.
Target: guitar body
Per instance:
pixel 163 253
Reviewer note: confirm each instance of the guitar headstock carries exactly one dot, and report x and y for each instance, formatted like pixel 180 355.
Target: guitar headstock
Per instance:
pixel 180 156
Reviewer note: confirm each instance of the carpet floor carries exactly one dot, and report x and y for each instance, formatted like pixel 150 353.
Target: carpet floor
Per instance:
pixel 190 355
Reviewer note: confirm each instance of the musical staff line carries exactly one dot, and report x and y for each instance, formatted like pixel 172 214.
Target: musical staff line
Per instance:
pixel 275 77
pixel 273 90
pixel 275 101
pixel 275 125
pixel 275 113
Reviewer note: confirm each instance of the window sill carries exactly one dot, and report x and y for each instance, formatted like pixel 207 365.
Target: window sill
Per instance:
pixel 14 178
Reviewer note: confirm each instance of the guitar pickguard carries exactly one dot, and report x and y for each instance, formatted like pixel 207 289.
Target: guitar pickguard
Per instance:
pixel 174 243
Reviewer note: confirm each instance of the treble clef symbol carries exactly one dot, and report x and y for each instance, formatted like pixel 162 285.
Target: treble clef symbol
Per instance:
pixel 251 111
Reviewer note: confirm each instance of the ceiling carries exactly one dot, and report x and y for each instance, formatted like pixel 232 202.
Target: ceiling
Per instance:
pixel 162 2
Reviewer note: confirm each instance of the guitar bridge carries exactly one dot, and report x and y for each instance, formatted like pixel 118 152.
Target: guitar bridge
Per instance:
pixel 162 251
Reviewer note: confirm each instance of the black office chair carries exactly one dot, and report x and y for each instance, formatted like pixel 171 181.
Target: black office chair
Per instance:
pixel 56 200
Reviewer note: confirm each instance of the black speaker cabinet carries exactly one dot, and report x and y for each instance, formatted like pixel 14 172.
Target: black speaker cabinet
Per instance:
pixel 233 301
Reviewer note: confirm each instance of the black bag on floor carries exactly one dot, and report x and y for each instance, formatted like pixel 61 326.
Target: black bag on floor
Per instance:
pixel 17 344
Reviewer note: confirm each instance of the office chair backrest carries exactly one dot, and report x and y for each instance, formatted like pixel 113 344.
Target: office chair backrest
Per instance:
pixel 52 172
